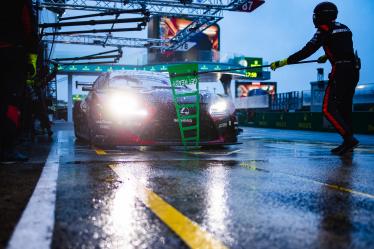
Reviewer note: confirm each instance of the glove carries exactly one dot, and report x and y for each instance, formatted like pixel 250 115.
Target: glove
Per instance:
pixel 278 64
pixel 322 59
pixel 32 58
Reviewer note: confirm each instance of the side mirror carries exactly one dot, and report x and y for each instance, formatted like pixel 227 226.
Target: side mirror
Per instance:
pixel 84 85
pixel 87 88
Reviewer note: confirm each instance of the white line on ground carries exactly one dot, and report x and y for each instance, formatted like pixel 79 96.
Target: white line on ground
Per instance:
pixel 35 228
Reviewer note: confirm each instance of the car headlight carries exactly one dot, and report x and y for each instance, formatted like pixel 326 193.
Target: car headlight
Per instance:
pixel 218 108
pixel 124 105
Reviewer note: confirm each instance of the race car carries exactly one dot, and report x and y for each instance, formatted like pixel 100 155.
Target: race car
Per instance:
pixel 137 108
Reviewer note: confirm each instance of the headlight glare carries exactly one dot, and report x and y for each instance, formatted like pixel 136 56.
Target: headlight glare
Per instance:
pixel 123 105
pixel 218 108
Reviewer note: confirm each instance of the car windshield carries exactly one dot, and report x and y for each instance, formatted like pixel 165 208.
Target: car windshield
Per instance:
pixel 138 81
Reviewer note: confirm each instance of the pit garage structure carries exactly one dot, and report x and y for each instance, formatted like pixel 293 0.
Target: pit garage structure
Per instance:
pixel 276 189
pixel 97 69
pixel 72 29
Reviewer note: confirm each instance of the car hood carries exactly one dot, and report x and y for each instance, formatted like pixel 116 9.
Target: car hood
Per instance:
pixel 165 95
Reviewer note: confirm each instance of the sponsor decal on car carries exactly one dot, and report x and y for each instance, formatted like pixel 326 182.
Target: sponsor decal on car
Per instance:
pixel 183 120
pixel 103 122
pixel 184 111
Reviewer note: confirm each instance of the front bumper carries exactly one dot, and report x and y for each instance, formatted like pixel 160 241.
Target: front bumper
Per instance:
pixel 156 132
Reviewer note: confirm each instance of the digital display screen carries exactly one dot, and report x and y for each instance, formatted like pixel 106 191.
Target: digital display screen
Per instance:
pixel 247 89
pixel 207 40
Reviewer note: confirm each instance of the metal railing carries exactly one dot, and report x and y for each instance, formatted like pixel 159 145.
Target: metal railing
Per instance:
pixel 302 100
pixel 290 101
pixel 261 101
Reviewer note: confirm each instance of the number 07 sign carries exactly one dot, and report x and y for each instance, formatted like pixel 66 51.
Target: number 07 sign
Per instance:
pixel 250 5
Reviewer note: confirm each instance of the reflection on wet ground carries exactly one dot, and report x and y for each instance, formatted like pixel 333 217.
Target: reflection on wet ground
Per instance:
pixel 264 193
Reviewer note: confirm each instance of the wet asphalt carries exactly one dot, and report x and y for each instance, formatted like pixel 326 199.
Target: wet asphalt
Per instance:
pixel 278 189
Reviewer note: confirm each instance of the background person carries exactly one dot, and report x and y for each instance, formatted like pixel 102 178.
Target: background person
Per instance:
pixel 18 55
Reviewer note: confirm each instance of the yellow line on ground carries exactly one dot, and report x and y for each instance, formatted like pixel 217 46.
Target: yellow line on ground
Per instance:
pixel 189 231
pixel 100 152
pixel 347 190
pixel 335 187
pixel 332 186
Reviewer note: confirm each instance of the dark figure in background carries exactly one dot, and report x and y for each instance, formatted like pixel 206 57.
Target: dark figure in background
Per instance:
pixel 336 40
pixel 36 103
pixel 18 55
pixel 40 111
pixel 34 108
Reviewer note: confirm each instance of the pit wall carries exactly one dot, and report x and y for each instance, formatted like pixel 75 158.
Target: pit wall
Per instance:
pixel 363 122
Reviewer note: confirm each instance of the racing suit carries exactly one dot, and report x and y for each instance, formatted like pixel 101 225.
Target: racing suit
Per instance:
pixel 336 40
pixel 18 39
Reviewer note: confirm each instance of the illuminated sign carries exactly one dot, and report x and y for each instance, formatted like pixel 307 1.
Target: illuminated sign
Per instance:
pixel 207 40
pixel 247 89
pixel 206 66
pixel 77 97
pixel 251 74
pixel 254 62
pixel 202 46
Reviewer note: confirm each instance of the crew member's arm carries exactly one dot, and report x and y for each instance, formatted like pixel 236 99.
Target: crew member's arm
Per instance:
pixel 30 35
pixel 310 48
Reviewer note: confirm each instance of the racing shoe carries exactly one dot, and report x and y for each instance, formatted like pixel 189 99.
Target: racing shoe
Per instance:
pixel 13 156
pixel 337 149
pixel 348 146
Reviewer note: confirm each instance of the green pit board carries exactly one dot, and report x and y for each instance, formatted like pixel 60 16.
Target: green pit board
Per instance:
pixel 187 102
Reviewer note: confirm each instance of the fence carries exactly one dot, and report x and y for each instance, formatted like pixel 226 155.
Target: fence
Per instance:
pixel 261 101
pixel 304 100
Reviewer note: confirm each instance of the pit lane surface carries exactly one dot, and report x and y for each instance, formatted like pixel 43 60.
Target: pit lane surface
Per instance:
pixel 279 189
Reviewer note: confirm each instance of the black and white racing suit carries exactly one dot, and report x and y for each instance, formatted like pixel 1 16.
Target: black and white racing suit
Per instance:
pixel 336 40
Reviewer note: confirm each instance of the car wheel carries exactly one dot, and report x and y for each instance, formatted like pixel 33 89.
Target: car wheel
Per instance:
pixel 90 137
pixel 79 138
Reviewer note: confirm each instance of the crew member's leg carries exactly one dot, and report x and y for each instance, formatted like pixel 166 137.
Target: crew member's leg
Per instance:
pixel 3 107
pixel 346 105
pixel 347 89
pixel 27 115
pixel 337 107
pixel 345 108
pixel 5 95
pixel 43 112
pixel 330 110
pixel 13 78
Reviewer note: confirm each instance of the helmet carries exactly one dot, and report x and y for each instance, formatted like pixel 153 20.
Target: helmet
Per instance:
pixel 325 13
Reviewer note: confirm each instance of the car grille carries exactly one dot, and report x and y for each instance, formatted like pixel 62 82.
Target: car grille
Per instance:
pixel 164 127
